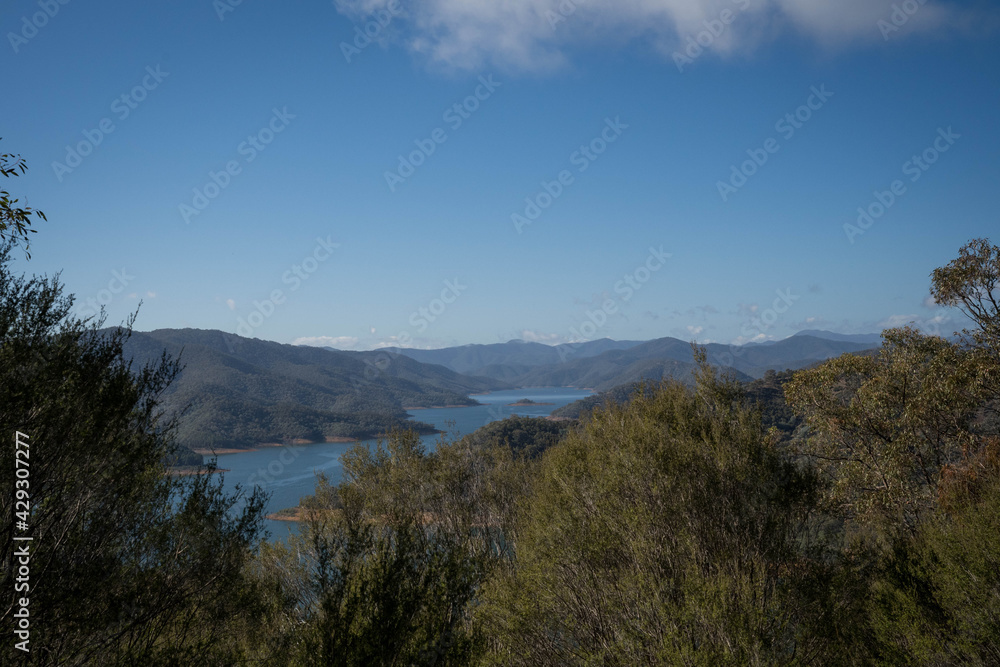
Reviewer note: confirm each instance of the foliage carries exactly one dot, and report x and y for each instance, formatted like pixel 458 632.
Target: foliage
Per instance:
pixel 15 222
pixel 970 282
pixel 390 560
pixel 128 565
pixel 844 514
pixel 886 426
pixel 527 436
pixel 665 531
pixel 936 599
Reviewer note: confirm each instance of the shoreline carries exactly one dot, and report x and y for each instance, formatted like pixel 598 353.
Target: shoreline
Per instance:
pixel 294 514
pixel 270 445
pixel 187 471
pixel 441 407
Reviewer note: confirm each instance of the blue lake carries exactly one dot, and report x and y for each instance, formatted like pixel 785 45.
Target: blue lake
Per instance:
pixel 289 473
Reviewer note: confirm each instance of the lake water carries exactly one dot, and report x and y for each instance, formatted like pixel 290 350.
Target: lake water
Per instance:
pixel 289 473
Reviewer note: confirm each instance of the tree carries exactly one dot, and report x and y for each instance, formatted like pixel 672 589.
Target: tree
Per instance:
pixel 884 427
pixel 665 531
pixel 128 564
pixel 390 561
pixel 971 282
pixel 911 452
pixel 15 222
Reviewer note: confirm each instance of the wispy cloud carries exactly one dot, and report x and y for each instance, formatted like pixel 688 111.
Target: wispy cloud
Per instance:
pixel 539 35
pixel 338 342
pixel 542 337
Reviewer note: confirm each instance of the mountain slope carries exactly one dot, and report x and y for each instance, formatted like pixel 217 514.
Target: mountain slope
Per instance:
pixel 508 360
pixel 237 392
pixel 868 339
pixel 673 357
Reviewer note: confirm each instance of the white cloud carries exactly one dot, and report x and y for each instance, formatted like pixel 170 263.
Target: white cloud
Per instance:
pixel 231 303
pixel 540 337
pixel 412 343
pixel 694 330
pixel 530 35
pixel 938 324
pixel 898 321
pixel 338 342
pixel 759 338
pixel 151 295
pixel 355 344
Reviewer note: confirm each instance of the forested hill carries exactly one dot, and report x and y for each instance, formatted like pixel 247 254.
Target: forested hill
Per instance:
pixel 511 360
pixel 240 392
pixel 605 363
pixel 766 393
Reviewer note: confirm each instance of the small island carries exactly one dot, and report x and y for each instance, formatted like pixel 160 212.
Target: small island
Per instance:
pixel 524 402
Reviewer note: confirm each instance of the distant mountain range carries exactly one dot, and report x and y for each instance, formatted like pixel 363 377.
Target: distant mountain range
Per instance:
pixel 511 360
pixel 603 364
pixel 238 392
pixel 868 339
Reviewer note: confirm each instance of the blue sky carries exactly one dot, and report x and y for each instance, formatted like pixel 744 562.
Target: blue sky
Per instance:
pixel 217 160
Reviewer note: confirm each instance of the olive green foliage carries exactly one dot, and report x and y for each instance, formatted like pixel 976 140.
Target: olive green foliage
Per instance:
pixel 527 436
pixel 768 394
pixel 936 599
pixel 390 560
pixel 886 426
pixel 971 283
pixel 911 453
pixel 666 531
pixel 128 564
pixel 701 523
pixel 15 221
